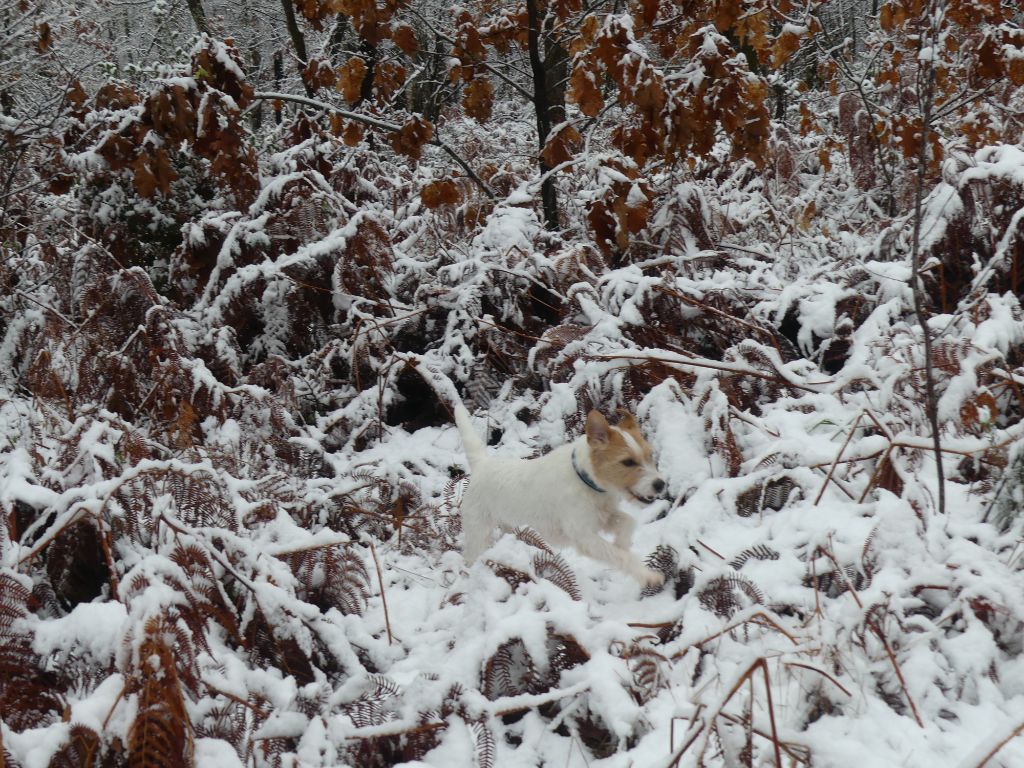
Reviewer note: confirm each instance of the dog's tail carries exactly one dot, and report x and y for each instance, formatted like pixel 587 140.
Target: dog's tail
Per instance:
pixel 472 443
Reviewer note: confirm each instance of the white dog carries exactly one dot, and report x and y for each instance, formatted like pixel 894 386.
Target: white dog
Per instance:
pixel 569 496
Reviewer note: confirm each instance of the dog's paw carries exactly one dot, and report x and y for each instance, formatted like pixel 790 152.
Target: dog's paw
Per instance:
pixel 650 578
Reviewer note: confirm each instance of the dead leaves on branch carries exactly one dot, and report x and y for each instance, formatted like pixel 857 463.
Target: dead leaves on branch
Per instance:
pixel 562 145
pixel 970 62
pixel 440 193
pixel 350 79
pixel 623 209
pixel 203 114
pixel 478 99
pixel 677 116
pixel 409 140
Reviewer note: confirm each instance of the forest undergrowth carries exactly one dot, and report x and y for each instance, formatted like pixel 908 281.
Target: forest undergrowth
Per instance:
pixel 231 531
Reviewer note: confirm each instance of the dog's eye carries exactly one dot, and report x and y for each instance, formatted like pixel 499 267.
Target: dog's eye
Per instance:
pixel 628 463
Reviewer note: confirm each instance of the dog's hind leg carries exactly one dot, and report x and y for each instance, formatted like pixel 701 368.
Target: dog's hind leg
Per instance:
pixel 477 532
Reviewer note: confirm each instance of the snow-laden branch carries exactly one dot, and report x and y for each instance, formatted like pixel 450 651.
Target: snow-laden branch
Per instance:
pixel 380 124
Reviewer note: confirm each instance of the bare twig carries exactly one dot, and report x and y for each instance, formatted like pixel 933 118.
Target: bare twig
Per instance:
pixel 839 456
pixel 935 9
pixel 383 597
pixel 1002 743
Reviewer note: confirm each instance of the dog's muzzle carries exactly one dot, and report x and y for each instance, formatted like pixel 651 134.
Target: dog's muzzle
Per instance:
pixel 657 488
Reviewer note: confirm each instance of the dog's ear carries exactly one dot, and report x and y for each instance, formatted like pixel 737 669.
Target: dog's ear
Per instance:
pixel 598 430
pixel 626 420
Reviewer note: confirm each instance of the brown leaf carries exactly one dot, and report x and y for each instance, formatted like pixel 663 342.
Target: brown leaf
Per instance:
pixel 785 46
pixel 648 11
pixel 143 179
pixel 561 146
pixel 153 173
pixel 117 151
pixel 115 96
pixel 439 193
pixel 172 115
pixel 584 92
pixel 350 79
pixel 352 134
pixel 807 216
pixel 183 425
pixel 886 18
pixel 478 99
pixel 405 38
pixel 319 74
pixel 45 38
pixel 409 140
pixel 387 79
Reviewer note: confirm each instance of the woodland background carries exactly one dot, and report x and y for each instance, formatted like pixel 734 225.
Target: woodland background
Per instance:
pixel 229 230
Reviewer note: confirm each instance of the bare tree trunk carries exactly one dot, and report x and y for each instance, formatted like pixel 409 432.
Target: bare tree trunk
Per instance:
pixel 278 77
pixel 370 56
pixel 297 38
pixel 257 113
pixel 195 7
pixel 542 107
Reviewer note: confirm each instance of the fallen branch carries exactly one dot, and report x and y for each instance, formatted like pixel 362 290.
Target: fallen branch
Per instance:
pixel 383 597
pixel 756 616
pixel 512 704
pixel 839 456
pixel 821 672
pixel 715 365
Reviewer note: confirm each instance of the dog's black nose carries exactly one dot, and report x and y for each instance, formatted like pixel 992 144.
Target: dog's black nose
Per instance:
pixel 659 486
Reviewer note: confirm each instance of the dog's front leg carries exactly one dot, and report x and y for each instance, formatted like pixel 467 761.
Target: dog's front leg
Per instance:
pixel 623 559
pixel 621 526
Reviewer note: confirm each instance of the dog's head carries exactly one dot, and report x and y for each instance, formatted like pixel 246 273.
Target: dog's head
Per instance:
pixel 621 457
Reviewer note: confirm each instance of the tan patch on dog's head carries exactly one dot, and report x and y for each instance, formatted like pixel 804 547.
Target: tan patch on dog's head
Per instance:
pixel 621 457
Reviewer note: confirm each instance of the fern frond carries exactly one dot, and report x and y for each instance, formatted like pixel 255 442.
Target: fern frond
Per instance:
pixel 757 552
pixel 80 750
pixel 513 576
pixel 648 674
pixel 555 569
pixel 510 671
pixel 29 695
pixel 724 595
pixel 161 734
pixel 665 560
pixel 483 738
pixel 769 495
pixel 332 577
pixel 531 537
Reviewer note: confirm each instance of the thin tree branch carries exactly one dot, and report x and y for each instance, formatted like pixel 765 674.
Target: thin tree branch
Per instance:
pixel 486 65
pixel 935 11
pixel 375 123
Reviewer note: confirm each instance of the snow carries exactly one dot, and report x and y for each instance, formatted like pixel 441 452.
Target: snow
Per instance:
pixel 280 502
pixel 93 628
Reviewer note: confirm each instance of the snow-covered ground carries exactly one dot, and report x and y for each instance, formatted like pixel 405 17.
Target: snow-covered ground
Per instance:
pixel 231 507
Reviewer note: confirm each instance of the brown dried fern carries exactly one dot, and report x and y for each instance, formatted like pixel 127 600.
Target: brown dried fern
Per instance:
pixel 555 569
pixel 161 734
pixel 724 595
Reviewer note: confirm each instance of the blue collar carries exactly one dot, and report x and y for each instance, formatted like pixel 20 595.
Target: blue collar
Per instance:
pixel 582 475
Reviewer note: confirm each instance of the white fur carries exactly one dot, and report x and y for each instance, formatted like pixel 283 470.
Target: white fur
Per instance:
pixel 547 495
